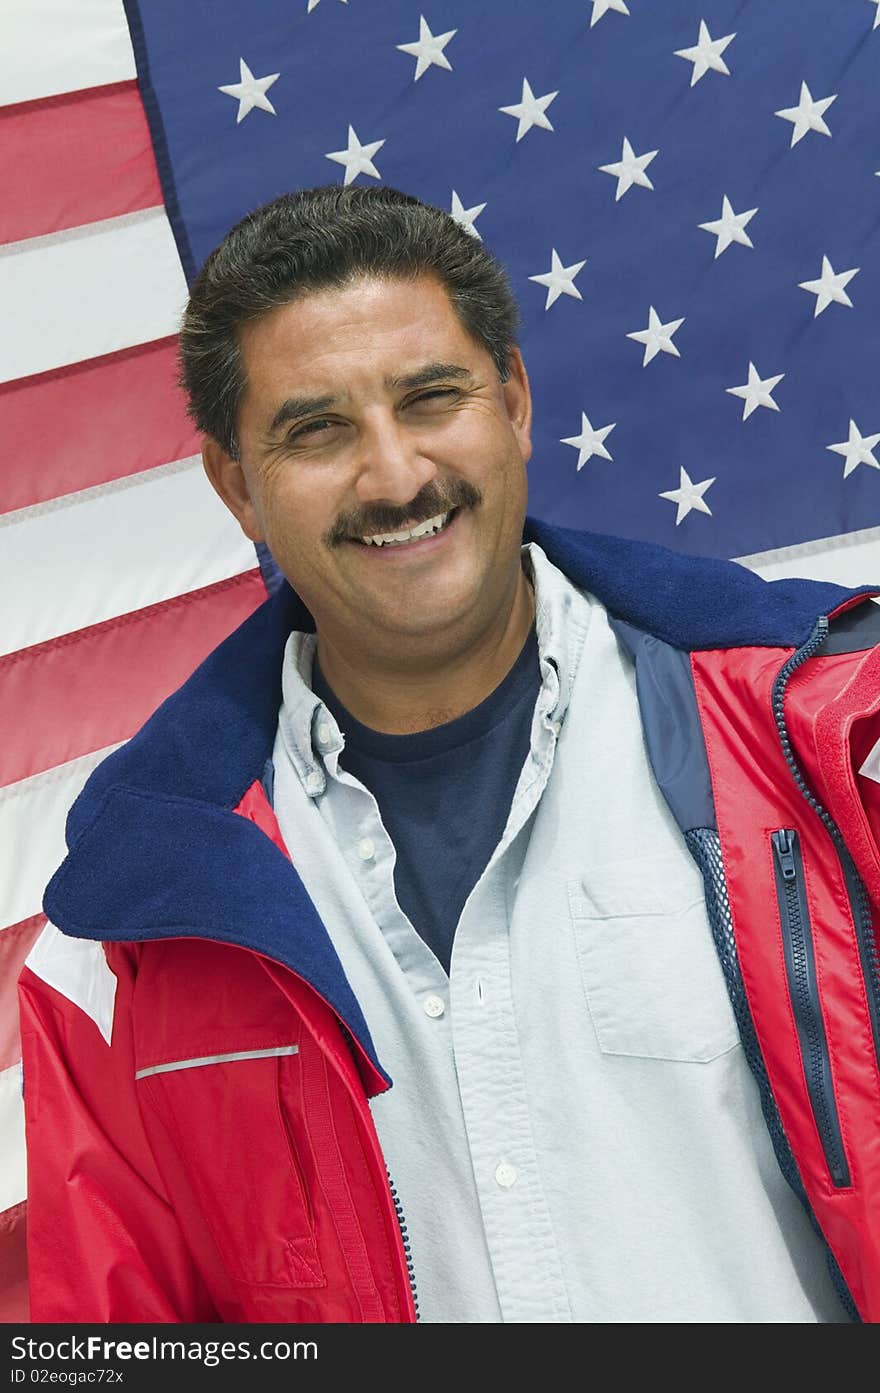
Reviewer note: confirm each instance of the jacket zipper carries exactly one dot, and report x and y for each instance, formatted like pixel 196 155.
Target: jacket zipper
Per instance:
pixel 398 1207
pixel 859 903
pixel 404 1236
pixel 800 966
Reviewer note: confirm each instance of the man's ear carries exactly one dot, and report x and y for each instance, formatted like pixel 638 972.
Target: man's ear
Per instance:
pixel 518 399
pixel 227 478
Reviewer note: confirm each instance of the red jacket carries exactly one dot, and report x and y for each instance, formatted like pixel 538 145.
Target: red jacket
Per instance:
pixel 197 1069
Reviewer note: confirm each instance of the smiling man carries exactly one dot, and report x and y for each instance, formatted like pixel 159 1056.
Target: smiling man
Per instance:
pixel 484 932
pixel 370 414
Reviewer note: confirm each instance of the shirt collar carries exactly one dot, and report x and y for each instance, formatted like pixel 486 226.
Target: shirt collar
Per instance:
pixel 305 725
pixel 562 617
pixel 562 613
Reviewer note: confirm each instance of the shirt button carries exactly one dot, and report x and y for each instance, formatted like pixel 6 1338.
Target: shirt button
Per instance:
pixel 434 1006
pixel 366 850
pixel 505 1174
pixel 556 727
pixel 314 782
pixel 323 733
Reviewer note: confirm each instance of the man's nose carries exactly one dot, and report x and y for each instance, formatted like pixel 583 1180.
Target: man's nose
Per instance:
pixel 390 465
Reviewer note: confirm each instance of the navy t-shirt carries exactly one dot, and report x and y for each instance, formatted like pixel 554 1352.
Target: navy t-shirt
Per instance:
pixel 444 794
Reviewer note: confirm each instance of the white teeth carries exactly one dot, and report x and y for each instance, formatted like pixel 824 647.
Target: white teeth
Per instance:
pixel 424 529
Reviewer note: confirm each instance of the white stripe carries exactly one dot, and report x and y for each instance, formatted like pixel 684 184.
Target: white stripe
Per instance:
pixel 51 46
pixel 32 816
pixel 852 559
pixel 88 291
pixel 106 551
pixel 13 1171
pixel 217 1059
pixel 871 766
pixel 77 968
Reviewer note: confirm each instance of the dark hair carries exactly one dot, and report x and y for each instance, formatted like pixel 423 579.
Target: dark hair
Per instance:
pixel 315 238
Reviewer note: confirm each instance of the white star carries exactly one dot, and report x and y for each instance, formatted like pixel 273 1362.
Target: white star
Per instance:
pixel 601 7
pixel 313 3
pixel 756 392
pixel 559 280
pixel 530 111
pixel 706 54
pixel 859 449
pixel 875 25
pixel 807 115
pixel 466 217
pixel 657 338
pixel 730 226
pixel 829 286
pixel 589 442
pixel 358 159
pixel 629 169
pixel 689 496
pixel 429 48
pixel 250 91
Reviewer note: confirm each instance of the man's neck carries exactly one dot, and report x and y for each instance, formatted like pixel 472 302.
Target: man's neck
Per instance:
pixel 400 698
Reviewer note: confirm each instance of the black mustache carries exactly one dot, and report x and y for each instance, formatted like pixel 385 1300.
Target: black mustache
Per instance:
pixel 428 503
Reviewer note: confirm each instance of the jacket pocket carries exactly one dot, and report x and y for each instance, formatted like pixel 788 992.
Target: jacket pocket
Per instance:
pixel 806 1006
pixel 650 973
pixel 223 1113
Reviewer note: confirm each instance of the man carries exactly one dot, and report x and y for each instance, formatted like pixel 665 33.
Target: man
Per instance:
pixel 460 810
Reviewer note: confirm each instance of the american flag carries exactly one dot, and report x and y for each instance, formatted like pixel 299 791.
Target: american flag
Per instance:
pixel 685 194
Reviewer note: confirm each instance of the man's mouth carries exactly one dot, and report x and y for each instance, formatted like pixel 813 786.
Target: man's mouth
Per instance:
pixel 430 528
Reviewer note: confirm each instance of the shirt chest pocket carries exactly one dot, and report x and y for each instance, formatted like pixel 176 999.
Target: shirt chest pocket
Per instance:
pixel 650 973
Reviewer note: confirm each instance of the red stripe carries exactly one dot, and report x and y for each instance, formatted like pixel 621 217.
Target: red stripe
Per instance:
pixel 15 944
pixel 84 425
pixel 97 686
pixel 14 1300
pixel 75 159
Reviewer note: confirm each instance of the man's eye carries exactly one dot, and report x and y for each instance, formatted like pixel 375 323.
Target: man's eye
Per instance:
pixel 322 424
pixel 310 428
pixel 433 394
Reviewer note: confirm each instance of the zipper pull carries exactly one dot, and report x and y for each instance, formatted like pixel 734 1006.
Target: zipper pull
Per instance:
pixel 783 845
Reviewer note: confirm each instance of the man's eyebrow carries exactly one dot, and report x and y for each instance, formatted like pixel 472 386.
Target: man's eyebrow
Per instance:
pixel 431 372
pixel 295 408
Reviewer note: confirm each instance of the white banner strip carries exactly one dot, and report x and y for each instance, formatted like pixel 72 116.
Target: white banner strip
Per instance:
pixel 77 968
pixel 32 817
pixel 52 46
pixel 94 555
pixel 13 1172
pixel 91 290
pixel 852 559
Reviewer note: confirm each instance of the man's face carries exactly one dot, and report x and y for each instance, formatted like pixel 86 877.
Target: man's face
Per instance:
pixel 369 410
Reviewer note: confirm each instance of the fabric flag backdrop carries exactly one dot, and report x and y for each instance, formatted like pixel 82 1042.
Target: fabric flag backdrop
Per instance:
pixel 686 196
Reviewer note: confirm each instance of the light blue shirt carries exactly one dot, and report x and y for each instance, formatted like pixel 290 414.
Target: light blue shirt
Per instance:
pixel 573 1129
